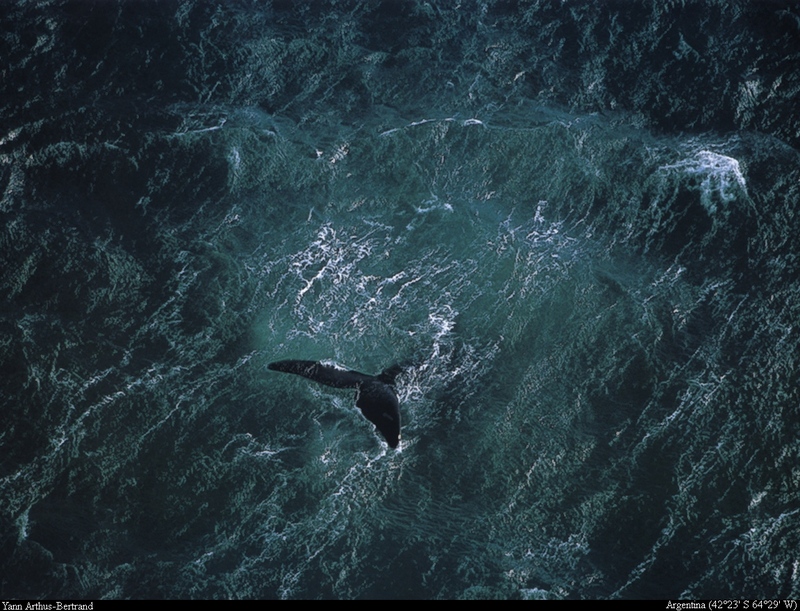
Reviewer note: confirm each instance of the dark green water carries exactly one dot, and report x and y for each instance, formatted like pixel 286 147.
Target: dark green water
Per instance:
pixel 575 225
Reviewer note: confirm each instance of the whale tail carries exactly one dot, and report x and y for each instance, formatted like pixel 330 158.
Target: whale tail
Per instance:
pixel 330 375
pixel 388 375
pixel 375 395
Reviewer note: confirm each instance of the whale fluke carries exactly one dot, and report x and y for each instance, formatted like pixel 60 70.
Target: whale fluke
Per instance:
pixel 375 395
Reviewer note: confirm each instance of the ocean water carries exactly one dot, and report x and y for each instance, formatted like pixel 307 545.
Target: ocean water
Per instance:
pixel 574 224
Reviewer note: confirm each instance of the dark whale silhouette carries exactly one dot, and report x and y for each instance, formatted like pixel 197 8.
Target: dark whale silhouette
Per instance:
pixel 375 395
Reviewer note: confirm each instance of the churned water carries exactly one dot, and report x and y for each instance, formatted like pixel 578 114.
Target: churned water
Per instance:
pixel 574 224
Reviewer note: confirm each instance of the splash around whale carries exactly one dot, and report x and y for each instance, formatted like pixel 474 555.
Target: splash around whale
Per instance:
pixel 375 395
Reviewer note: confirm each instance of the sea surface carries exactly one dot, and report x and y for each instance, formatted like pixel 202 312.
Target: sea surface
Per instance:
pixel 576 225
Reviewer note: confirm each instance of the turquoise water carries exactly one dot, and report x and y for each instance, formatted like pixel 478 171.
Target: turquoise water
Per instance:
pixel 597 316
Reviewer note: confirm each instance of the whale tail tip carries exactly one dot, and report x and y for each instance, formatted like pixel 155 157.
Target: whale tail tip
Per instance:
pixel 388 375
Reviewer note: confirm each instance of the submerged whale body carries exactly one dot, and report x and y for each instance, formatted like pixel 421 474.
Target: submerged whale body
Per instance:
pixel 375 395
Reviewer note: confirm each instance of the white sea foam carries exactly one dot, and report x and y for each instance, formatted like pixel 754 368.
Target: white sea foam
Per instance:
pixel 719 176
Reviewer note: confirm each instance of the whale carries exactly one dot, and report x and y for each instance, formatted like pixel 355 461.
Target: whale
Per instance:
pixel 375 395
